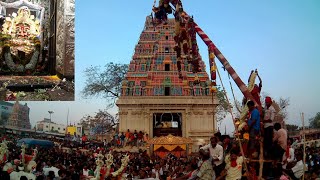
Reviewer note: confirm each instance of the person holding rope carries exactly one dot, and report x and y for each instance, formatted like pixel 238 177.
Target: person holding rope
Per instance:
pixel 233 169
pixel 206 171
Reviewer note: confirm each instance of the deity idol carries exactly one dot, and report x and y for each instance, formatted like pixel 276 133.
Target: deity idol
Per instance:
pixel 24 25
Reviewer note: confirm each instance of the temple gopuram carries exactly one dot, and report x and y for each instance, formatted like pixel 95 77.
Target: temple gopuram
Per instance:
pixel 36 46
pixel 158 99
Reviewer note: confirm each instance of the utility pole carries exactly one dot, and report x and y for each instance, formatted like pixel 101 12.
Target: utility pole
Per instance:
pixel 304 145
pixel 67 122
pixel 50 112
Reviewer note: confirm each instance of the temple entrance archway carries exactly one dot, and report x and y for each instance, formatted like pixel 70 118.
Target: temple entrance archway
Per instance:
pixel 167 123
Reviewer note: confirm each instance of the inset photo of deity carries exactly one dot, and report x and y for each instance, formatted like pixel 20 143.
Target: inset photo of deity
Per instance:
pixel 37 50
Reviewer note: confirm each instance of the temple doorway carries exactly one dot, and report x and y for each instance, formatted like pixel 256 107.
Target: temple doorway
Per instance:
pixel 167 123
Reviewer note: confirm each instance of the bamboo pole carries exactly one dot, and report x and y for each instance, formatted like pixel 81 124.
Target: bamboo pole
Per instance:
pixel 261 160
pixel 309 141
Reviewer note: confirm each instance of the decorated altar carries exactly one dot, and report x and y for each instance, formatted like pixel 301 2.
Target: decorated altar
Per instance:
pixel 175 145
pixel 36 41
pixel 23 45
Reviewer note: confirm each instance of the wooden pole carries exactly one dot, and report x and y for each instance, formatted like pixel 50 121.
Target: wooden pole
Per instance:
pixel 261 160
pixel 304 145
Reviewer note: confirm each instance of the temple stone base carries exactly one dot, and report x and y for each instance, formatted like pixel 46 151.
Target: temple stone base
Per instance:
pixel 198 122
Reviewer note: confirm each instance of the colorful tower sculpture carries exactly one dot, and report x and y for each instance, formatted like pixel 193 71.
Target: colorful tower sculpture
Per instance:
pixel 19 117
pixel 156 98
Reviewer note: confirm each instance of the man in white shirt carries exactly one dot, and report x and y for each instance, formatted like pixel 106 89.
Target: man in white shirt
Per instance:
pixel 157 171
pixel 233 170
pixel 297 171
pixel 85 171
pixel 216 154
pixel 46 170
pixel 269 115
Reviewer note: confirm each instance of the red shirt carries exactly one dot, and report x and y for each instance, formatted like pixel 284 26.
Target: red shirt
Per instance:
pixel 84 138
pixel 131 136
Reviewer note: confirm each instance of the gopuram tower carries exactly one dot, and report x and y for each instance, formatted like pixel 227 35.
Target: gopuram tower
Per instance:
pixel 155 99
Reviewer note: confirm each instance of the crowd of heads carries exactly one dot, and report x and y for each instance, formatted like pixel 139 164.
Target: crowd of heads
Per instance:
pixel 57 163
pixel 76 160
pixel 129 138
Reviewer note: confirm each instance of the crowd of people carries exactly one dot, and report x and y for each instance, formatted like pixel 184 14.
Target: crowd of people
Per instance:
pixel 56 163
pixel 222 158
pixel 128 138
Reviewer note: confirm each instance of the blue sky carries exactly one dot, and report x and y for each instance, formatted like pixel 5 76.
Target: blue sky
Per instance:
pixel 279 38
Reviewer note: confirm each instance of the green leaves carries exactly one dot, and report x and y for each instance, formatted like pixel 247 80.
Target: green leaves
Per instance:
pixel 315 121
pixel 223 107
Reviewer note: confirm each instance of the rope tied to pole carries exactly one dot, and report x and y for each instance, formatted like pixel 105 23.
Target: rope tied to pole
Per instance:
pixel 233 119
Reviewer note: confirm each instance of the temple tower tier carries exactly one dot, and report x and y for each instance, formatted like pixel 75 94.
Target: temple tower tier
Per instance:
pixel 156 98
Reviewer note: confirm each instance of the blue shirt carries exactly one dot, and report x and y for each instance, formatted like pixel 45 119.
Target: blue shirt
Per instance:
pixel 255 115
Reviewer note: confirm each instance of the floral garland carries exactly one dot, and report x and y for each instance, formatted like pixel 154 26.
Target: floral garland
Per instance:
pixel 19 67
pixel 213 70
pixel 23 151
pixel 99 163
pixel 124 163
pixel 31 166
pixel 4 153
pixel 252 81
pixel 245 109
pixel 109 162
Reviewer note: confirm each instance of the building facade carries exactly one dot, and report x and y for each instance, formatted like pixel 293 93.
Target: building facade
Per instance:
pixel 46 125
pixel 155 99
pixel 19 117
pixel 5 112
